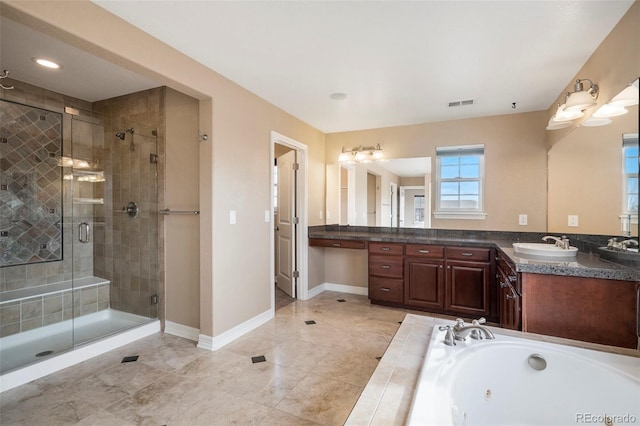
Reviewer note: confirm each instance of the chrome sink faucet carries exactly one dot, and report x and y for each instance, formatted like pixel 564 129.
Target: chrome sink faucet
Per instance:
pixel 562 242
pixel 460 331
pixel 614 244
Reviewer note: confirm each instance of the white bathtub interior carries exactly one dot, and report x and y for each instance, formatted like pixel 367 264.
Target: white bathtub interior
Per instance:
pixel 491 382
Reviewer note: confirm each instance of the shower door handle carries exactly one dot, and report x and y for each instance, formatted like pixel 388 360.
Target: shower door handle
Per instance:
pixel 84 232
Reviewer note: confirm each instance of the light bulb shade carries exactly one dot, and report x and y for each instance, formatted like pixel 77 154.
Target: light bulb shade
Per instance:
pixel 608 110
pixel 627 97
pixel 563 115
pixel 344 157
pixel 556 125
pixel 361 156
pixel 579 101
pixel 377 154
pixel 595 122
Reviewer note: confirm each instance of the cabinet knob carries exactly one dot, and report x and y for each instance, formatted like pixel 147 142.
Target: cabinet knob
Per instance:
pixel 385 248
pixel 423 251
pixel 385 266
pixel 336 244
pixel 510 297
pixel 385 289
pixel 467 254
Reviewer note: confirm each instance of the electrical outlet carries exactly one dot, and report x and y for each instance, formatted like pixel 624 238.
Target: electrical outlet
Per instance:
pixel 572 220
pixel 232 217
pixel 267 216
pixel 522 219
pixel 320 215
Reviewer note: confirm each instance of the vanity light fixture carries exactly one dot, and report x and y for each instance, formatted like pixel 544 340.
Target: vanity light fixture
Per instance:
pixel 581 99
pixel 361 154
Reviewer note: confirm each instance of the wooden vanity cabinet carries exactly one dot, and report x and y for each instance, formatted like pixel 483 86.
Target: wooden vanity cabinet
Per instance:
pixel 588 309
pixel 452 280
pixel 509 291
pixel 386 273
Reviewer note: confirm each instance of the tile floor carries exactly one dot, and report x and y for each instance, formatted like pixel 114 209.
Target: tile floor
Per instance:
pixel 313 374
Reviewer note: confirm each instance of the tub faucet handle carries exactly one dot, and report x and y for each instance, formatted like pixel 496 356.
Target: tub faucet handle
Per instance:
pixel 475 333
pixel 449 338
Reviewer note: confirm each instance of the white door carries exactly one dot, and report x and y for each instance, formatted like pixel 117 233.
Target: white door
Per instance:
pixel 285 224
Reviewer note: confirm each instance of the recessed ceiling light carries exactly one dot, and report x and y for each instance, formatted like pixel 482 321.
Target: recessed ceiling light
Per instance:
pixel 46 63
pixel 338 96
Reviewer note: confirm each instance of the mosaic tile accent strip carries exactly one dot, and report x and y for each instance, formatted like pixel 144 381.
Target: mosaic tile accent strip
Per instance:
pixel 31 204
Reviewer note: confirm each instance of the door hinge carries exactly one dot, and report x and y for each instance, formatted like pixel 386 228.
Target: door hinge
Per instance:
pixel 155 299
pixel 296 166
pixel 153 158
pixel 296 221
pixel 296 274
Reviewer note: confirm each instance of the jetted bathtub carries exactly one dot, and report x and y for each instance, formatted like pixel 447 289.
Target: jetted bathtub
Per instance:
pixel 517 381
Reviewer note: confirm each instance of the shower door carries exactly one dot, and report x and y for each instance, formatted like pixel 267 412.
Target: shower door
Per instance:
pixel 115 233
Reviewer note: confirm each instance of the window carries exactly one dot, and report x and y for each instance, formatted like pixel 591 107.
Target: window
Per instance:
pixel 418 209
pixel 630 167
pixel 459 174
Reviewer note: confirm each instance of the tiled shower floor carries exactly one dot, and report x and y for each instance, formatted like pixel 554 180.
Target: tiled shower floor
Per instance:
pixel 21 348
pixel 312 374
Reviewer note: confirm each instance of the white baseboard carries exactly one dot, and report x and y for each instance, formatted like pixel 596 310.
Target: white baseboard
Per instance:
pixel 205 342
pixel 217 342
pixel 342 288
pixel 180 330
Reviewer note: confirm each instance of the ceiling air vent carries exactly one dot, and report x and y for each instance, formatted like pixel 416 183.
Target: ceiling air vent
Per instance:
pixel 461 103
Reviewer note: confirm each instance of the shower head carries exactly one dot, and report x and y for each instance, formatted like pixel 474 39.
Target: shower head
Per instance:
pixel 123 133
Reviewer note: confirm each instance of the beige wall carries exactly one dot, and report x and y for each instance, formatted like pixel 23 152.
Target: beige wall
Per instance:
pixel 234 162
pixel 182 242
pixel 515 163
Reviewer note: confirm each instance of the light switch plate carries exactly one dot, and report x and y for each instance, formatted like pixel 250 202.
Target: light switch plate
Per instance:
pixel 522 219
pixel 232 217
pixel 267 216
pixel 572 220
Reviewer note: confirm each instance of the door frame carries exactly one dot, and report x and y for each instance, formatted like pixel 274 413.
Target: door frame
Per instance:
pixel 302 232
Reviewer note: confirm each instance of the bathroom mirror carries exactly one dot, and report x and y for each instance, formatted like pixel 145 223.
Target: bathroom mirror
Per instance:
pixel 584 178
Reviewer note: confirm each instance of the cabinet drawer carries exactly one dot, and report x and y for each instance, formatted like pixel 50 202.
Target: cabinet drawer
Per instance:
pixel 425 250
pixel 472 254
pixel 386 266
pixel 350 244
pixel 386 248
pixel 386 289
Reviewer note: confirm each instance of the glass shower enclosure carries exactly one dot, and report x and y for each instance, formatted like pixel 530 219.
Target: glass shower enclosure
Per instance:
pixel 78 229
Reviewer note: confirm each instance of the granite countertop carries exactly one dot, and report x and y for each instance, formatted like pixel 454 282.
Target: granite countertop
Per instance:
pixel 586 264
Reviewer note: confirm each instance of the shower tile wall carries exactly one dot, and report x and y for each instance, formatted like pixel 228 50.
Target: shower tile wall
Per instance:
pixel 129 253
pixel 30 185
pixel 23 276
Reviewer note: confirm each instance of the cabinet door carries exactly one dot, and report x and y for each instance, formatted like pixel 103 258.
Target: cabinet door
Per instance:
pixel 425 283
pixel 467 289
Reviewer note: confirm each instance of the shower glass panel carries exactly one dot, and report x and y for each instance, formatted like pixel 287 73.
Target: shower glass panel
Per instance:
pixel 35 260
pixel 115 232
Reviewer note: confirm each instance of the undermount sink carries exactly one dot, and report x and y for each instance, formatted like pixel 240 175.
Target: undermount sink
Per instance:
pixel 544 250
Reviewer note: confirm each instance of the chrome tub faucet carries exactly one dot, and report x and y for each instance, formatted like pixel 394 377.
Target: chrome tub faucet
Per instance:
pixel 460 331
